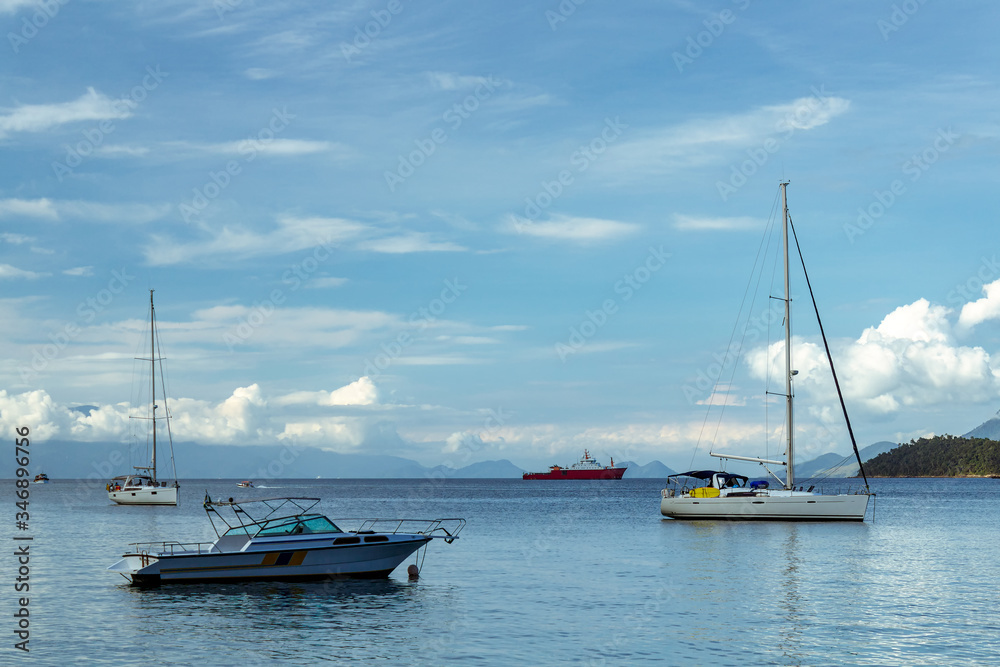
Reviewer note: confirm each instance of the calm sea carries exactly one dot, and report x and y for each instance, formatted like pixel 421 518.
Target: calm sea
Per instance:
pixel 545 573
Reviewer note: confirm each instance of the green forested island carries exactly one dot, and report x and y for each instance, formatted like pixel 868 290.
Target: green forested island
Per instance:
pixel 940 456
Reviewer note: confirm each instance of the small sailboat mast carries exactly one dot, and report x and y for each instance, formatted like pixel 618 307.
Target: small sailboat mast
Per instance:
pixel 152 377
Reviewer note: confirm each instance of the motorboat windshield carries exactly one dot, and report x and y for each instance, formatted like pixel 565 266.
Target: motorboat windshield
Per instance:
pixel 289 525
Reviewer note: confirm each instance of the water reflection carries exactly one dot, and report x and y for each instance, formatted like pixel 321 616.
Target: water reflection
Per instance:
pixel 790 599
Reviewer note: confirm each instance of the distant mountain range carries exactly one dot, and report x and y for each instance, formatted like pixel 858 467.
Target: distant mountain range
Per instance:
pixel 73 460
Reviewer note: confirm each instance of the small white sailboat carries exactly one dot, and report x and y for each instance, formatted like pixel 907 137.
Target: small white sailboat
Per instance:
pixel 723 495
pixel 142 487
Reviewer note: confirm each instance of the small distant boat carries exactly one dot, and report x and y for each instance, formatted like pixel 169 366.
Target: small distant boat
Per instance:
pixel 278 539
pixel 586 468
pixel 141 486
pixel 41 478
pixel 245 484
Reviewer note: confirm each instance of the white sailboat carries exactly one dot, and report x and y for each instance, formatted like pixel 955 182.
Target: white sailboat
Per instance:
pixel 142 487
pixel 723 495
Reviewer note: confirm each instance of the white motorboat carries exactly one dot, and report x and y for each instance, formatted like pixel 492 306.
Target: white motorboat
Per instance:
pixel 141 487
pixel 279 539
pixel 710 494
pixel 245 484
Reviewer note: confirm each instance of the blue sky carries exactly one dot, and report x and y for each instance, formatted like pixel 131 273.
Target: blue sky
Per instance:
pixel 467 232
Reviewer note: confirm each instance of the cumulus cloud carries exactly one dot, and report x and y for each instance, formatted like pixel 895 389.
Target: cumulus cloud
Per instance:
pixel 981 310
pixel 360 392
pixel 246 417
pixel 910 360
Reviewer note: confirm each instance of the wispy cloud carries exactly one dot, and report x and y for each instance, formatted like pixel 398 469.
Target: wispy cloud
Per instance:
pixel 47 209
pixel 566 228
pixel 28 208
pixel 92 105
pixel 712 140
pixel 292 234
pixel 79 271
pixel 407 243
pixel 12 272
pixel 692 223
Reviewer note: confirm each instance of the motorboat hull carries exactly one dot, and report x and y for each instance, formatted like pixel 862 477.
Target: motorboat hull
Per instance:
pixel 271 561
pixel 793 506
pixel 145 495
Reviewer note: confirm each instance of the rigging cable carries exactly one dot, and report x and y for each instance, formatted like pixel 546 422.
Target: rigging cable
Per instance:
pixel 763 245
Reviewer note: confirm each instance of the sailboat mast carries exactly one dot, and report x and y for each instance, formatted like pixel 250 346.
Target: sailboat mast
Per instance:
pixel 152 375
pixel 790 476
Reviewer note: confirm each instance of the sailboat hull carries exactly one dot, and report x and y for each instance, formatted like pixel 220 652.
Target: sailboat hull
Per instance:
pixel 149 495
pixel 787 507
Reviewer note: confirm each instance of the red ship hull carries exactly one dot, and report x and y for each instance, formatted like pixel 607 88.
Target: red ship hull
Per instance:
pixel 566 473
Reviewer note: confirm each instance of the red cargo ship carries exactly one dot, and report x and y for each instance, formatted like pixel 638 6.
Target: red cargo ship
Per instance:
pixel 587 468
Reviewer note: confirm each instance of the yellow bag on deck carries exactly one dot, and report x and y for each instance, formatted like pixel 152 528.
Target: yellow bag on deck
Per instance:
pixel 705 492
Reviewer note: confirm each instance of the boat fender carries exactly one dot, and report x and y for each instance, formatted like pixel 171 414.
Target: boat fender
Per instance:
pixel 413 571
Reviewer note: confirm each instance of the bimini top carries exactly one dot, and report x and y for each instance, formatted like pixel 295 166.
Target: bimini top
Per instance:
pixel 709 474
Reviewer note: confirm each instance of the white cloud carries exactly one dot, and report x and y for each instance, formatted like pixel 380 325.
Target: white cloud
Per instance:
pixel 16 239
pixel 121 150
pixel 566 228
pixel 909 361
pixel 325 282
pixel 29 208
pixel 407 243
pixel 450 81
pixel 361 392
pixel 275 147
pixel 291 235
pixel 8 271
pixel 40 117
pixel 245 417
pixel 80 271
pixel 713 140
pixel 981 310
pixel 48 209
pixel 691 223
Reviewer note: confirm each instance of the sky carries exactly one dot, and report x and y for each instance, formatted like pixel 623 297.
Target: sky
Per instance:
pixel 477 231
